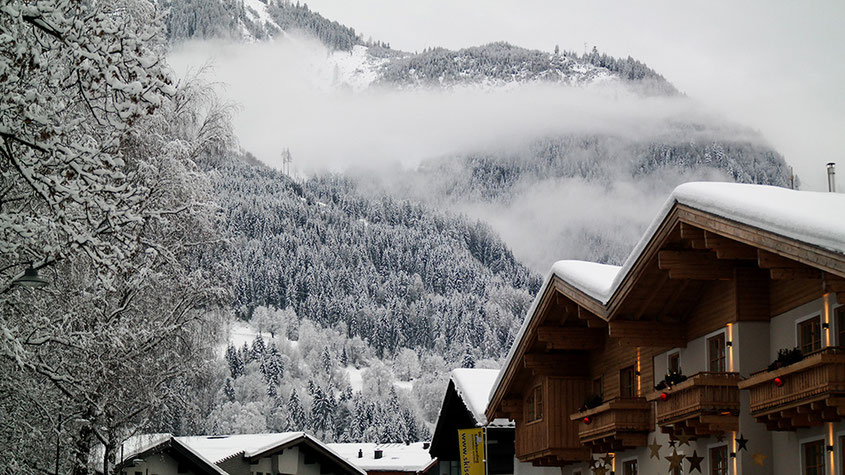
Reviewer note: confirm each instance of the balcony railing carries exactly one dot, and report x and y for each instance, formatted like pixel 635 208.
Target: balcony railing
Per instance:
pixel 705 404
pixel 804 394
pixel 615 425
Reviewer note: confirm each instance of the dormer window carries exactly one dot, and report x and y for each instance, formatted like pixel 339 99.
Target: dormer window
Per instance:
pixel 535 404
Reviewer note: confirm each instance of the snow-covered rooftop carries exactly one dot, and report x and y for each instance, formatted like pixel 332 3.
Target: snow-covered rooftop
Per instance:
pixel 806 216
pixel 473 386
pixel 395 457
pixel 219 448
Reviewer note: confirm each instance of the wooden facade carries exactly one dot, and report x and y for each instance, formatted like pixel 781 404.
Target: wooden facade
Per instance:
pixel 698 274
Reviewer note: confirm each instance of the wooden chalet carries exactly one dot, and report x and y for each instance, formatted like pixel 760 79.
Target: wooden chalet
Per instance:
pixel 463 408
pixel 667 363
pixel 289 453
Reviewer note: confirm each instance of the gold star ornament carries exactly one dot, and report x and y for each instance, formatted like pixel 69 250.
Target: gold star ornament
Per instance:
pixel 654 447
pixel 759 458
pixel 674 460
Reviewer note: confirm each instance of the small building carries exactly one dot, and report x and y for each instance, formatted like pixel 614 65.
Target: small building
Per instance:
pixel 289 453
pixel 388 459
pixel 715 348
pixel 463 408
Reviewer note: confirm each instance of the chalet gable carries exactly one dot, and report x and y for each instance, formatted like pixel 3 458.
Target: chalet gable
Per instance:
pixel 710 240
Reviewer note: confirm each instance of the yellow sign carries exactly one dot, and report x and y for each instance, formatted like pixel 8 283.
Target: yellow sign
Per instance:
pixel 471 447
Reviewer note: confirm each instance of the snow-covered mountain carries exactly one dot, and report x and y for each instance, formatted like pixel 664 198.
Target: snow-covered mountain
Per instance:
pixel 360 64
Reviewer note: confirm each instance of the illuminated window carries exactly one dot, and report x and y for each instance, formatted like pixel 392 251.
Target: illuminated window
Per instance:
pixel 716 353
pixel 627 383
pixel 719 460
pixel 810 335
pixel 535 404
pixel 629 467
pixel 813 455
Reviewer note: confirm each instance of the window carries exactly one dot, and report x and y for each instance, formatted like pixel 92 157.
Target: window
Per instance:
pixel 629 467
pixel 840 325
pixel 597 389
pixel 813 458
pixel 535 404
pixel 719 460
pixel 810 334
pixel 716 353
pixel 627 383
pixel 674 364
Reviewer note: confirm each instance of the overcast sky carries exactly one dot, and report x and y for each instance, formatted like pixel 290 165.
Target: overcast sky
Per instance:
pixel 777 66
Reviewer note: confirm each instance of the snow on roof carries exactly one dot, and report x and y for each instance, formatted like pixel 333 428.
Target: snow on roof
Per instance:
pixel 592 278
pixel 806 216
pixel 395 457
pixel 473 386
pixel 130 448
pixel 219 448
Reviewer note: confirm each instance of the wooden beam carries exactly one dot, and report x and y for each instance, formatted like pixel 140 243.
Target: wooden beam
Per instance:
pixel 728 248
pixel 549 364
pixel 781 268
pixel 648 333
pixel 694 265
pixel 567 338
pixel 694 235
pixel 809 273
pixel 593 320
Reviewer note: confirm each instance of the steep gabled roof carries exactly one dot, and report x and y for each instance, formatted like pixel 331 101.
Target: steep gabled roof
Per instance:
pixel 145 445
pixel 804 226
pixel 473 385
pixel 255 446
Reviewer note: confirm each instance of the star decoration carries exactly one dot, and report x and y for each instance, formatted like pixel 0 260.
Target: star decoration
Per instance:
pixel 655 449
pixel 674 460
pixel 740 443
pixel 720 437
pixel 759 458
pixel 672 443
pixel 607 459
pixel 682 438
pixel 599 470
pixel 595 463
pixel 694 461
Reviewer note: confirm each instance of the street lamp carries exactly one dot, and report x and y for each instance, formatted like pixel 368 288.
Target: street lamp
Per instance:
pixel 30 278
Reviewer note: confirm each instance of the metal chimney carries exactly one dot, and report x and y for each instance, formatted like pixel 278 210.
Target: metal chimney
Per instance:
pixel 377 454
pixel 831 177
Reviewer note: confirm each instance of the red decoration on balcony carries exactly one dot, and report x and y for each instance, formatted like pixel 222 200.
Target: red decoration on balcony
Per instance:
pixel 587 420
pixel 664 396
pixel 778 382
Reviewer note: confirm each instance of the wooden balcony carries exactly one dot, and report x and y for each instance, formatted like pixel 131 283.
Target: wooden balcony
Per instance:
pixel 705 404
pixel 615 425
pixel 811 392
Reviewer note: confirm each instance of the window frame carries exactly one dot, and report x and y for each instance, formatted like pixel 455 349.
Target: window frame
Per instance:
pixel 802 444
pixel 633 380
pixel 533 409
pixel 723 357
pixel 800 323
pixel 625 462
pixel 711 466
pixel 673 355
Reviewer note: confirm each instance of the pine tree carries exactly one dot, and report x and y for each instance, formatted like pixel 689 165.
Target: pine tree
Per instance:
pixel 296 414
pixel 228 390
pixel 236 365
